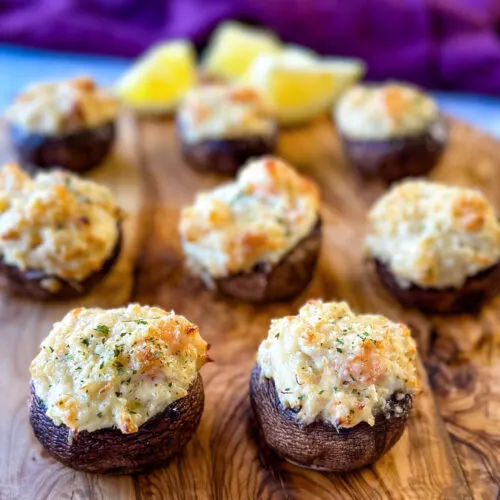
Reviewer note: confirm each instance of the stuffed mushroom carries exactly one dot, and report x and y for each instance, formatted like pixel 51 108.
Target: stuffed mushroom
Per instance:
pixel 436 247
pixel 257 238
pixel 332 390
pixel 118 390
pixel 68 124
pixel 220 127
pixel 59 234
pixel 390 131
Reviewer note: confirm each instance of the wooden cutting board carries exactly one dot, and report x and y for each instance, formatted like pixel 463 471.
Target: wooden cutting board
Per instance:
pixel 451 448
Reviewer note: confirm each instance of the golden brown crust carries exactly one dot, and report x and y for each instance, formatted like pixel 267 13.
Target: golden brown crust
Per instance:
pixel 338 366
pixel 382 111
pixel 433 235
pixel 258 218
pixel 54 108
pixel 104 368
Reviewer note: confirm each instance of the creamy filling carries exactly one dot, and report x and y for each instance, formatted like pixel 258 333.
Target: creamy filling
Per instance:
pixel 230 112
pixel 100 369
pixel 378 112
pixel 257 218
pixel 338 367
pixel 56 222
pixel 61 107
pixel 433 235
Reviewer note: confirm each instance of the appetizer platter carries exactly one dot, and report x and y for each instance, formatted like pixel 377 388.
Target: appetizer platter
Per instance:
pixel 448 449
pixel 283 320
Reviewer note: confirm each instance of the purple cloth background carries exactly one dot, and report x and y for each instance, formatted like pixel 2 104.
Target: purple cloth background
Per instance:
pixel 448 44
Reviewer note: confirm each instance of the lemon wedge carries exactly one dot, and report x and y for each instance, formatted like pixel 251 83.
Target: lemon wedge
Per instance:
pixel 297 85
pixel 160 78
pixel 234 47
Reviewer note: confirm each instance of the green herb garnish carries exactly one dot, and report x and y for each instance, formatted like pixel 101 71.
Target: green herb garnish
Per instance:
pixel 103 329
pixel 138 321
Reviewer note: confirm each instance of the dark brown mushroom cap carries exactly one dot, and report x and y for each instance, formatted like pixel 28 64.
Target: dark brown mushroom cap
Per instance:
pixel 108 451
pixel 320 445
pixel 281 281
pixel 76 151
pixel 469 298
pixel 393 159
pixel 226 156
pixel 28 282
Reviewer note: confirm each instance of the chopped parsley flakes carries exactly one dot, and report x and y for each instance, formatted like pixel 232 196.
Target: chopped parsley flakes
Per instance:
pixel 138 321
pixel 103 329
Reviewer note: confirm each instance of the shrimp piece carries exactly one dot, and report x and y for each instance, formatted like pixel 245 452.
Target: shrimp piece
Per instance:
pixel 367 366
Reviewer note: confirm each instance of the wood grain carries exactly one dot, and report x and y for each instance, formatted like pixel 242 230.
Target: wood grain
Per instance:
pixel 450 449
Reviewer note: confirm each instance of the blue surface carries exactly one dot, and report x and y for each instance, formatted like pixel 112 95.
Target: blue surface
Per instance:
pixel 20 66
pixel 482 111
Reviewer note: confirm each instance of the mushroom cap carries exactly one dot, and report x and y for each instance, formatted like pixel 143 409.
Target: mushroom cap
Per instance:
pixel 226 155
pixel 278 282
pixel 77 151
pixel 469 298
pixel 108 451
pixel 29 282
pixel 393 159
pixel 321 445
